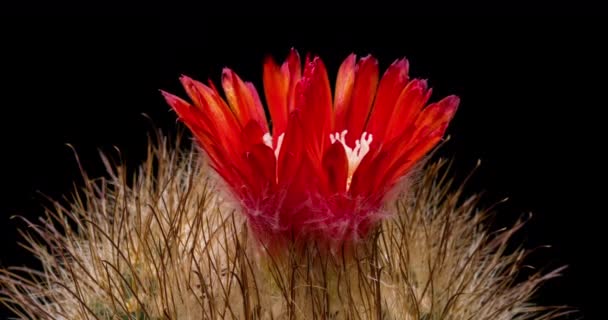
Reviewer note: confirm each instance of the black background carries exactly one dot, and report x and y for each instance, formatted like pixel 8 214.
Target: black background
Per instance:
pixel 532 108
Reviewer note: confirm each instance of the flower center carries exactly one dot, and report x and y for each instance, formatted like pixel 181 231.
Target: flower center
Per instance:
pixel 354 155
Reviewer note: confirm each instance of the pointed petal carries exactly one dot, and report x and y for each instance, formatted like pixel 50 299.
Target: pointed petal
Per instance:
pixel 428 129
pixel 406 152
pixel 399 167
pixel 335 166
pixel 392 84
pixel 193 118
pixel 205 133
pixel 314 103
pixel 210 104
pixel 260 115
pixel 184 110
pixel 292 69
pixel 242 99
pixel 437 114
pixel 275 89
pixel 344 89
pixel 194 89
pixel 279 89
pixel 364 91
pixel 380 169
pixel 411 100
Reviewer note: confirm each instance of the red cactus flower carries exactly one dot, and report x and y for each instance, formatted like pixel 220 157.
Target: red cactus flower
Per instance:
pixel 324 171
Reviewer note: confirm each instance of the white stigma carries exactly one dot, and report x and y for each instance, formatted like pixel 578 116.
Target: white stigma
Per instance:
pixel 354 155
pixel 268 141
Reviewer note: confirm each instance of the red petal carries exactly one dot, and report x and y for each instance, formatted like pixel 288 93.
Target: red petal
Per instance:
pixel 437 114
pixel 194 90
pixel 291 153
pixel 252 134
pixel 408 106
pixel 262 163
pixel 205 133
pixel 344 88
pixel 292 69
pixel 296 176
pixel 370 179
pixel 428 130
pixel 259 107
pixel 362 177
pixel 314 103
pixel 242 99
pixel 275 89
pixel 193 119
pixel 392 84
pixel 364 90
pixel 382 167
pixel 210 104
pixel 399 167
pixel 183 109
pixel 279 88
pixel 335 165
